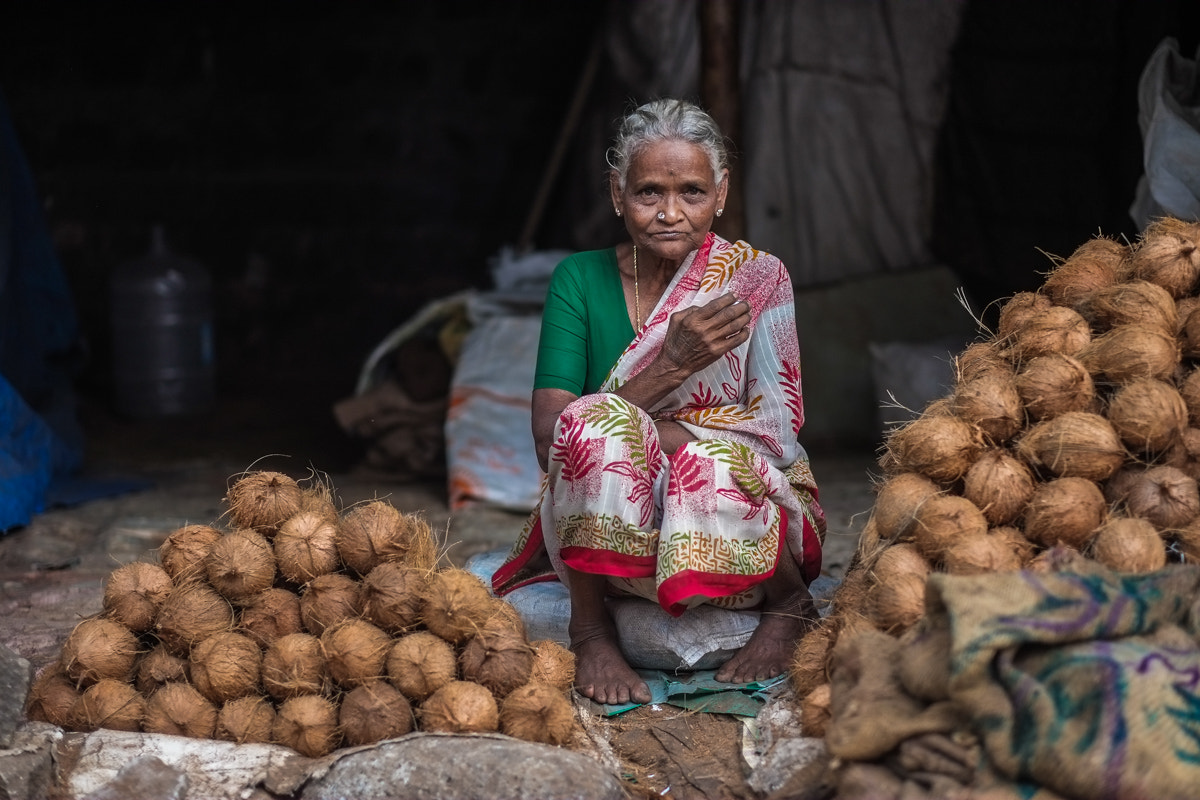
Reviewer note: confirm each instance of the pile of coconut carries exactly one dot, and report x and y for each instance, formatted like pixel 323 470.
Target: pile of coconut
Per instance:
pixel 297 623
pixel 1072 431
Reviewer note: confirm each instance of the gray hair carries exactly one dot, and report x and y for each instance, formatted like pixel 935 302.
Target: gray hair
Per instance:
pixel 664 120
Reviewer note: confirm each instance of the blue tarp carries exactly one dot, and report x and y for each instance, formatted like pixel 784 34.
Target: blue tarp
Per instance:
pixel 31 455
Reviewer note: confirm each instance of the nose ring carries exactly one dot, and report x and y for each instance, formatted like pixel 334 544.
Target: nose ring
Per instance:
pixel 662 215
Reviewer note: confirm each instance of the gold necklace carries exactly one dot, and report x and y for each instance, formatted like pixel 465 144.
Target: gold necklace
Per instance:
pixel 637 301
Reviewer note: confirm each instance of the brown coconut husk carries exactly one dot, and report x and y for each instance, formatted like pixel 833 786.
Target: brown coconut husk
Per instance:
pixel 308 724
pixel 1187 542
pixel 978 359
pixel 226 666
pixel 869 543
pixel 1188 230
pixel 1000 485
pixel 1054 384
pixel 1058 329
pixel 940 448
pixel 1185 455
pixel 375 532
pixel 1167 259
pixel 329 599
pixel 809 665
pixel 1189 390
pixel 52 695
pixel 263 500
pixel 270 614
pixel 134 592
pixel 457 604
pixel 1059 558
pixel 498 659
pixel 896 502
pixel 99 648
pixel 1165 496
pixel 392 596
pixel 539 713
pixel 1128 352
pixel 1134 302
pixel 240 564
pixel 355 652
pixel 553 665
pixel 177 709
pixel 1128 544
pixel 851 593
pixel 504 616
pixel 1189 335
pixel 246 720
pixel 373 712
pixel 924 664
pixel 1016 313
pixel 980 555
pixel 420 663
pixel 1065 511
pixel 896 598
pixel 1149 415
pixel 1077 444
pixel 1016 541
pixel 941 521
pixel 306 546
pixel 816 711
pixel 109 704
pixel 294 665
pixel 460 707
pixel 191 613
pixel 991 403
pixel 157 667
pixel 183 552
pixel 1096 264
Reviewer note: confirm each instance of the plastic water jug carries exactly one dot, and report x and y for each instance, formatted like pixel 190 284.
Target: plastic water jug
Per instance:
pixel 162 329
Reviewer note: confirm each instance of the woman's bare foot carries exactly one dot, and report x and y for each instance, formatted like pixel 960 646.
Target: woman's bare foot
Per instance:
pixel 603 674
pixel 770 649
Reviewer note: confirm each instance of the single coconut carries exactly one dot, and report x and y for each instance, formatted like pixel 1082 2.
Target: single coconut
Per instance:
pixel 504 616
pixel 392 596
pixel 270 614
pixel 980 555
pixel 109 704
pixel 1016 541
pixel 183 552
pixel 940 448
pixel 1000 485
pixel 553 665
pixel 240 564
pixel 226 666
pixel 1189 390
pixel 978 359
pixel 263 500
pixel 373 712
pixel 134 592
pixel 159 666
pixel 308 724
pixel 372 533
pixel 896 599
pixel 1131 351
pixel 1134 302
pixel 1165 496
pixel 51 697
pixel 1096 264
pixel 420 663
pixel 1190 335
pixel 1065 511
pixel 355 652
pixel 991 403
pixel 460 707
pixel 1058 329
pixel 1184 229
pixel 329 599
pixel 498 659
pixel 294 665
pixel 457 604
pixel 1059 558
pixel 1167 259
pixel 179 710
pixel 539 713
pixel 810 660
pixel 815 711
pixel 1128 544
pixel 246 720
pixel 1054 384
pixel 896 502
pixel 306 546
pixel 1016 313
pixel 851 593
pixel 944 519
pixel 191 613
pixel 99 648
pixel 1149 415
pixel 1077 444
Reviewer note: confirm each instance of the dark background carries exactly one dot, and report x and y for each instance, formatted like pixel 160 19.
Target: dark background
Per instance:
pixel 335 166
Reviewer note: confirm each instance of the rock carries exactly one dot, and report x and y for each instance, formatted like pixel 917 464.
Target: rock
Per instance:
pixel 431 766
pixel 16 674
pixel 147 778
pixel 27 765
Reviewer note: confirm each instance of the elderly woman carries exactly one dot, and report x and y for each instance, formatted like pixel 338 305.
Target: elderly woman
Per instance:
pixel 666 409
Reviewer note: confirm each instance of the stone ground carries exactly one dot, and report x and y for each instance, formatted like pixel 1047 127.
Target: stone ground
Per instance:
pixel 52 571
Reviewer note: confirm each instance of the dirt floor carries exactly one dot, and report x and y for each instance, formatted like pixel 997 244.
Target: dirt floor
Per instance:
pixel 174 472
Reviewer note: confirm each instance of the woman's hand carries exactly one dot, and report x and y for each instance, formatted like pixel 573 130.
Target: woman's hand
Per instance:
pixel 698 336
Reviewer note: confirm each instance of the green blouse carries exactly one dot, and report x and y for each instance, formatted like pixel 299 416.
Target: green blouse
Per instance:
pixel 585 324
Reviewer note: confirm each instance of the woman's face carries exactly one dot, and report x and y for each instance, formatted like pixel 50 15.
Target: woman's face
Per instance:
pixel 675 179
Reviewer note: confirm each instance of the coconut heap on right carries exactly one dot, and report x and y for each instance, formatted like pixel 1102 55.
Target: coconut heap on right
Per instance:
pixel 1072 431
